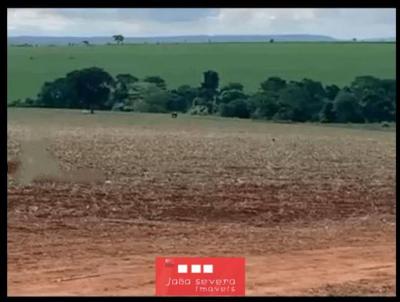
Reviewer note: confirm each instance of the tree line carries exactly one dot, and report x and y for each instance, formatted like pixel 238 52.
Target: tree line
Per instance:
pixel 366 99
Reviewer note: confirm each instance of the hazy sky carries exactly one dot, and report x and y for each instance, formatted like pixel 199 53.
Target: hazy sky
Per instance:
pixel 338 23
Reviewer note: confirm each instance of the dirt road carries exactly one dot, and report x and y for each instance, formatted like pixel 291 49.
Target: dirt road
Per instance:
pixel 356 257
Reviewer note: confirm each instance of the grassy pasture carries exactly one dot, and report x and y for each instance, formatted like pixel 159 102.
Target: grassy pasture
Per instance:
pixel 331 63
pixel 185 122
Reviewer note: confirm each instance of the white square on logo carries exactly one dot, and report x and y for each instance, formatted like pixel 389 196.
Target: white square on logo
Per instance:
pixel 207 268
pixel 196 268
pixel 182 268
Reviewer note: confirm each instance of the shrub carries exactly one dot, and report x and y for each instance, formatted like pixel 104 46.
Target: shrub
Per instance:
pixel 263 105
pixel 118 106
pixel 14 103
pixel 236 108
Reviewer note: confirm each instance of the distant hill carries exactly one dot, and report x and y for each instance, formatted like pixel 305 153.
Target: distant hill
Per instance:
pixel 172 39
pixel 391 39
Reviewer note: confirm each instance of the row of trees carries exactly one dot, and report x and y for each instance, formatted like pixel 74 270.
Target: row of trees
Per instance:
pixel 366 99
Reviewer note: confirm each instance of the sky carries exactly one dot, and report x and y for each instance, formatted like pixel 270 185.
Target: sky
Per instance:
pixel 343 23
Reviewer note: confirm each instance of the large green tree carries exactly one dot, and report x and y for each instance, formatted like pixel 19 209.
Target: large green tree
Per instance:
pixel 209 90
pixel 119 39
pixel 92 86
pixel 293 103
pixel 59 93
pixel 347 108
pixel 377 107
pixel 273 84
pixel 88 88
pixel 316 95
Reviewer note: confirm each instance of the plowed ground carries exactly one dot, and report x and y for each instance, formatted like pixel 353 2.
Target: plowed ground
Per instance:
pixel 313 211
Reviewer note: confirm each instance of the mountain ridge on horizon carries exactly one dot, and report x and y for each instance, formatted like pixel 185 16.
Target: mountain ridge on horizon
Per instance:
pixel 65 40
pixel 59 40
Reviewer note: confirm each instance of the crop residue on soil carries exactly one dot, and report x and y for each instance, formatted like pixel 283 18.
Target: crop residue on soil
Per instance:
pixel 102 200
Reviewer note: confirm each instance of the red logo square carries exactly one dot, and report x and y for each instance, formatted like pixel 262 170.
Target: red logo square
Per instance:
pixel 197 276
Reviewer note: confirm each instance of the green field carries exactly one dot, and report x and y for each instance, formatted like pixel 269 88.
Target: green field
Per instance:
pixel 331 63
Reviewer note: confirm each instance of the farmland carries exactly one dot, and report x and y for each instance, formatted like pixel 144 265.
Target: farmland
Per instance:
pixel 178 64
pixel 311 208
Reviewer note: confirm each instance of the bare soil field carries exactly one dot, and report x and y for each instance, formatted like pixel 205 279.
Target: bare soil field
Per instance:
pixel 92 200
